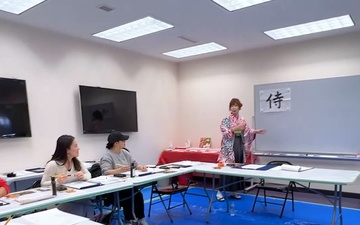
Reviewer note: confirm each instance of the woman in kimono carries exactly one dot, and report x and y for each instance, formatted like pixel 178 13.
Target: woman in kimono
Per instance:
pixel 236 142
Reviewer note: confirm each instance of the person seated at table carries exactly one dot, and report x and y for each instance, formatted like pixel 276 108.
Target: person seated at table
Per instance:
pixel 117 160
pixel 4 188
pixel 66 167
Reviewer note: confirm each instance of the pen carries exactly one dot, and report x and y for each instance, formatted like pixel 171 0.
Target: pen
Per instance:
pixel 62 175
pixel 8 220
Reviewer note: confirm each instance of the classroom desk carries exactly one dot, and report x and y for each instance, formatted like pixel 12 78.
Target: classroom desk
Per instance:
pixel 63 197
pixel 195 154
pixel 334 177
pixel 24 175
pixel 21 176
pixel 337 178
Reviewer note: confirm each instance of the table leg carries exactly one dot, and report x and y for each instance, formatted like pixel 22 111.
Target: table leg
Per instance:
pixel 337 205
pixel 117 206
pixel 211 199
pixel 135 220
pixel 340 206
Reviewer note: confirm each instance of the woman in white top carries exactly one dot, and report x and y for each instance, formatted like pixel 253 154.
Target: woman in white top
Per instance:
pixel 63 163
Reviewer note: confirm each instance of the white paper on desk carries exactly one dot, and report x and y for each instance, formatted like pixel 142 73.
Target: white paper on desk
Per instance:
pixel 53 217
pixel 251 166
pixel 81 184
pixel 14 223
pixel 106 180
pixel 34 197
pixel 295 168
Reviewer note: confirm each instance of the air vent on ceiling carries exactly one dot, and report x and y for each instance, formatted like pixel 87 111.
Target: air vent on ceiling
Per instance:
pixel 187 39
pixel 106 8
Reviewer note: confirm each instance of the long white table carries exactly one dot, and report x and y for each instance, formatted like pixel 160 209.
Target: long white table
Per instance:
pixel 334 177
pixel 337 178
pixel 16 208
pixel 62 197
pixel 24 175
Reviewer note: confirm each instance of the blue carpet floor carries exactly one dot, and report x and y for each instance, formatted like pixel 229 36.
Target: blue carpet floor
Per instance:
pixel 304 214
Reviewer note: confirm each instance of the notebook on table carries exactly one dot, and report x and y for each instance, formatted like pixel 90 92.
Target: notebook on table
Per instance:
pixel 33 197
pixel 82 184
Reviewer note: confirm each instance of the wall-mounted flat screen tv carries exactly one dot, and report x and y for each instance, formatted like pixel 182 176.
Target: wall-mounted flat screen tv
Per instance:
pixel 14 111
pixel 105 110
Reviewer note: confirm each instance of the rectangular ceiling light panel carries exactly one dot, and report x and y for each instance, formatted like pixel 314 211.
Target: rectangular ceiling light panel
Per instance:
pixel 18 6
pixel 232 5
pixel 310 28
pixel 195 50
pixel 134 29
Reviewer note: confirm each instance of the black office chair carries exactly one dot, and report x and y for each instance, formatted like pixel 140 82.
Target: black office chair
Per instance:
pixel 102 201
pixel 289 188
pixel 36 184
pixel 166 193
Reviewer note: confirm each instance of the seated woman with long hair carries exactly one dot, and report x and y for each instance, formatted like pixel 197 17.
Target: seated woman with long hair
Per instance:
pixel 63 163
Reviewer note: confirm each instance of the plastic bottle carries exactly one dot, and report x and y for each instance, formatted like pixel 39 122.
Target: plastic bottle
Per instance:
pixel 232 209
pixel 53 186
pixel 171 146
pixel 188 143
pixel 132 170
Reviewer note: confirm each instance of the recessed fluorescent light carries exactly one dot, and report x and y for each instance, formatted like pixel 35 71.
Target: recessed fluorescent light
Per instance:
pixel 195 50
pixel 18 6
pixel 232 5
pixel 134 29
pixel 312 27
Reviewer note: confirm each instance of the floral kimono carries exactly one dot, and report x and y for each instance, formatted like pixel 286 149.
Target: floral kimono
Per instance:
pixel 226 153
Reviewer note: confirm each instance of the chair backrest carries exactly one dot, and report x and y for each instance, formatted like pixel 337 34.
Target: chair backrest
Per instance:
pixel 279 163
pixel 95 170
pixel 36 184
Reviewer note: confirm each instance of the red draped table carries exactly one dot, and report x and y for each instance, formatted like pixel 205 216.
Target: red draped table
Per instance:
pixel 191 154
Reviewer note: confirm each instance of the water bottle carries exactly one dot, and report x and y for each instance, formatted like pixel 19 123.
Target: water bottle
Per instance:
pixel 171 146
pixel 53 185
pixel 232 209
pixel 132 170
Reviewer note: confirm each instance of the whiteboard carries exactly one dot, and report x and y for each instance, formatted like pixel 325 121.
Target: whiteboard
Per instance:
pixel 323 117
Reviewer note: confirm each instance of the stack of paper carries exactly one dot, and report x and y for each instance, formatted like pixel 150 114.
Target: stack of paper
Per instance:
pixel 33 197
pixel 295 168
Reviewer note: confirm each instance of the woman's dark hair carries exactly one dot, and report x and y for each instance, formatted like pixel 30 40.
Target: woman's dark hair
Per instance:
pixel 235 101
pixel 109 145
pixel 63 143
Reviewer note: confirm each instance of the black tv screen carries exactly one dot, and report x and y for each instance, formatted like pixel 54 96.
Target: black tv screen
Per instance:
pixel 14 111
pixel 105 110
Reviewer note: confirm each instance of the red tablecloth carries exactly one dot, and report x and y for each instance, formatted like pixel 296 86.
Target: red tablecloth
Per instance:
pixel 170 156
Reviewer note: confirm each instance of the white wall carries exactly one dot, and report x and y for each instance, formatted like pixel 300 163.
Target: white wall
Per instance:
pixel 206 86
pixel 54 65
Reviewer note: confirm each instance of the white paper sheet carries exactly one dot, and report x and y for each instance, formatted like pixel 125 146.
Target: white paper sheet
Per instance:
pixel 53 217
pixel 252 166
pixel 106 180
pixel 294 168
